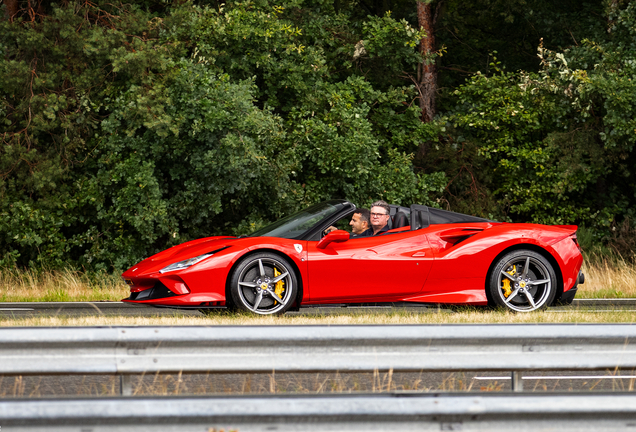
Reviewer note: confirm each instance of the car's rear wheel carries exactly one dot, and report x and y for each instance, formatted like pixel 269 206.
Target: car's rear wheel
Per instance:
pixel 263 283
pixel 523 281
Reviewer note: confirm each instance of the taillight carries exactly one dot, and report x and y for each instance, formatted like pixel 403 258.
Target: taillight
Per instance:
pixel 576 242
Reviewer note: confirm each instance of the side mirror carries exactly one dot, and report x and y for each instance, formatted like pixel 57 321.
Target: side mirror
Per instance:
pixel 337 236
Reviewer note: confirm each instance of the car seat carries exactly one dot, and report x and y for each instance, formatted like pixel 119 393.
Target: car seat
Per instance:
pixel 400 220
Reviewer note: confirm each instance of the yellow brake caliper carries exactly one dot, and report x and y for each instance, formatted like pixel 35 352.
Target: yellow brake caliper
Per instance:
pixel 280 285
pixel 506 282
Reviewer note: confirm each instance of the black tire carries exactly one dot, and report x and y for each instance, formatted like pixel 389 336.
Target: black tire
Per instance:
pixel 523 281
pixel 255 284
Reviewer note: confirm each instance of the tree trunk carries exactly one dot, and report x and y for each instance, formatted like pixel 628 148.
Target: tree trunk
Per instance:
pixel 11 8
pixel 427 75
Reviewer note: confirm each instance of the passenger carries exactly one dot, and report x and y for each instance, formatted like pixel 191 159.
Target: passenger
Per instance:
pixel 380 214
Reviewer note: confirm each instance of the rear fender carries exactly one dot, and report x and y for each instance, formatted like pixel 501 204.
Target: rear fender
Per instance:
pixel 535 248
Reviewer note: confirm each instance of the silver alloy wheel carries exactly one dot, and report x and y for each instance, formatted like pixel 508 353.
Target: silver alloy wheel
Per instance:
pixel 259 285
pixel 529 283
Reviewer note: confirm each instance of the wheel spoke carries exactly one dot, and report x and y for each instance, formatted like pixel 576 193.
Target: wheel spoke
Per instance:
pixel 257 301
pixel 509 276
pixel 248 284
pixel 538 282
pixel 279 277
pixel 530 299
pixel 261 268
pixel 276 297
pixel 526 268
pixel 511 296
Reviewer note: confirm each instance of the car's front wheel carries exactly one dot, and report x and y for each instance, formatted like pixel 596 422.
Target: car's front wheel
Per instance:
pixel 523 281
pixel 263 283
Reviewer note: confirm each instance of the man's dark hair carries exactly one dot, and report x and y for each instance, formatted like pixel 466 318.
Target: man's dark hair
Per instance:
pixel 382 204
pixel 365 215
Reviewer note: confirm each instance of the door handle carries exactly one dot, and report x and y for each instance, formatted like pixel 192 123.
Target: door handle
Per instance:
pixel 419 254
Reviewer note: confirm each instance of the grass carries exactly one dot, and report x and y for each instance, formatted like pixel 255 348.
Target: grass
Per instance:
pixel 394 316
pixel 241 383
pixel 605 278
pixel 608 279
pixel 302 383
pixel 59 286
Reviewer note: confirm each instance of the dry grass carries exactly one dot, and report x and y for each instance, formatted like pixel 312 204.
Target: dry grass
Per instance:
pixel 608 279
pixel 246 383
pixel 302 383
pixel 59 286
pixel 604 279
pixel 394 316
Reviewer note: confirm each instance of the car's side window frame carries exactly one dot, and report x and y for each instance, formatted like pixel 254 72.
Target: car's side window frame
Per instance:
pixel 318 232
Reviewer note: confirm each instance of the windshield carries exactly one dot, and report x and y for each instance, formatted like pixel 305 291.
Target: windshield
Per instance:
pixel 294 226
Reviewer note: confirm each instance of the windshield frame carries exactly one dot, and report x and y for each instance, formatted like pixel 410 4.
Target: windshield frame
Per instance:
pixel 286 224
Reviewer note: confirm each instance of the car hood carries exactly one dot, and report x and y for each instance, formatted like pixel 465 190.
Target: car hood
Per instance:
pixel 178 253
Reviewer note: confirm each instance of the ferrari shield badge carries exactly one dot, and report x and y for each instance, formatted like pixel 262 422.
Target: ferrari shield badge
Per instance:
pixel 299 248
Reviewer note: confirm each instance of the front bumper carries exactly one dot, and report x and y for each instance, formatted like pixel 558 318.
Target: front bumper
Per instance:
pixel 158 291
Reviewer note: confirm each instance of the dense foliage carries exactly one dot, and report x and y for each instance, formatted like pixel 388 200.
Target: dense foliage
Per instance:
pixel 128 128
pixel 558 144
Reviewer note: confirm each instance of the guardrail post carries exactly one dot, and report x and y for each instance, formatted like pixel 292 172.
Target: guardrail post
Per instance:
pixel 517 382
pixel 125 386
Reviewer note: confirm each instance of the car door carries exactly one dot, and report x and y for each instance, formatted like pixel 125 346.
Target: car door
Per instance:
pixel 384 266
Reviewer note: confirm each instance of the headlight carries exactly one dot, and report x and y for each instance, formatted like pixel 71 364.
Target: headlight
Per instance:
pixel 185 263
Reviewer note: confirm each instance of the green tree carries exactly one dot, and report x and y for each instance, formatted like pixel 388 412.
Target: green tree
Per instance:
pixel 141 127
pixel 558 143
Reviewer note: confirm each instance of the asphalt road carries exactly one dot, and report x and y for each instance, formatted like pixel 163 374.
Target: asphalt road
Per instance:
pixel 22 309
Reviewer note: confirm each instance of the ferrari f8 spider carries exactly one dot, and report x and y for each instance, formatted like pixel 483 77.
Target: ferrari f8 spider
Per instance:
pixel 427 256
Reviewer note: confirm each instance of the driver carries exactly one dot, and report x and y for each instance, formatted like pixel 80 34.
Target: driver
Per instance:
pixel 360 223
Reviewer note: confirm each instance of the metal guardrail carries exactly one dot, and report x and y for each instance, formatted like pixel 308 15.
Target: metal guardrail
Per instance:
pixel 251 349
pixel 135 350
pixel 365 412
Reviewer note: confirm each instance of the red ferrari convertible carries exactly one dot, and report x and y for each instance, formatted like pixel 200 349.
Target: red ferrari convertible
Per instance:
pixel 427 256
